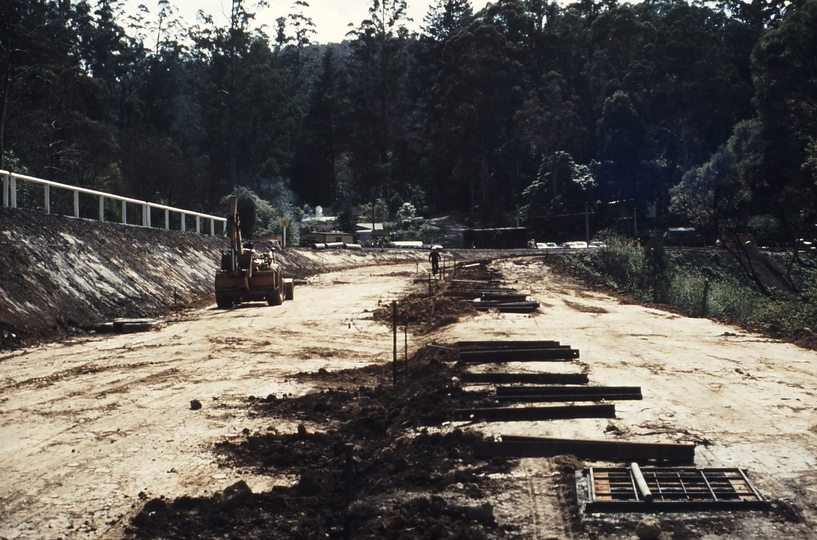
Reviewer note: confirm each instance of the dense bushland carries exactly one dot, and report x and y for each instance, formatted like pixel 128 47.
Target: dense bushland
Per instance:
pixel 524 111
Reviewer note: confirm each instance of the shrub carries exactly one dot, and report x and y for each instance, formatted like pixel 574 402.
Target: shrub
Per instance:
pixel 652 275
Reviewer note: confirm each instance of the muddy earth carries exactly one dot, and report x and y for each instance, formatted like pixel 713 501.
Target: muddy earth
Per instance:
pixel 293 422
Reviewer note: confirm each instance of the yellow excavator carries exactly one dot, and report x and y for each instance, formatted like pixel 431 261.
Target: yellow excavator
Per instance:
pixel 246 275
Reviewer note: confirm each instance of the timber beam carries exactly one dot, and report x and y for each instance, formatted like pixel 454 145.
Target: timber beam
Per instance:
pixel 513 414
pixel 512 446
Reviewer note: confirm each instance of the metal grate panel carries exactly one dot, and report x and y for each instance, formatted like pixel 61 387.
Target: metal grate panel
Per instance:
pixel 665 489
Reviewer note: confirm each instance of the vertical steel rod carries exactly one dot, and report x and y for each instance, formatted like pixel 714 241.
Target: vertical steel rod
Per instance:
pixel 349 472
pixel 101 208
pixel 751 487
pixel 706 481
pixel 47 200
pixel 394 340
pixel 703 301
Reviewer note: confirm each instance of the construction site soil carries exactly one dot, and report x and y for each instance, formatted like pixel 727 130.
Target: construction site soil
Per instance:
pixel 293 421
pixel 375 470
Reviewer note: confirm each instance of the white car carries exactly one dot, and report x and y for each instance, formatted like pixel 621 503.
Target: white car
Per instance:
pixel 597 245
pixel 574 245
pixel 546 245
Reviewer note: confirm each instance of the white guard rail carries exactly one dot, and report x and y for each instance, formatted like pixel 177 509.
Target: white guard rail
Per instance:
pixel 10 200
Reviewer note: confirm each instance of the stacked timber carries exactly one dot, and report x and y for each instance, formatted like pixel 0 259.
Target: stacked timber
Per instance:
pixel 516 391
pixel 482 286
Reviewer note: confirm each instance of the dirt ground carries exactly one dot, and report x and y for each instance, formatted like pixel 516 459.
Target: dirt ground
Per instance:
pixel 100 439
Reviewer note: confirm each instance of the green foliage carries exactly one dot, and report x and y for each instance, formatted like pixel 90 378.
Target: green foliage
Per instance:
pixel 785 82
pixel 381 211
pixel 509 107
pixel 406 212
pixel 561 188
pixel 679 280
pixel 428 233
pixel 624 264
pixel 12 163
pixel 717 194
pixel 260 217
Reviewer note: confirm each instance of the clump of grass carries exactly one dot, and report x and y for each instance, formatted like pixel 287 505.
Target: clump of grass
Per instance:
pixel 621 263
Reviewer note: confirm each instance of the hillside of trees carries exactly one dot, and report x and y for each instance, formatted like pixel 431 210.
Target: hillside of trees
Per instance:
pixel 526 111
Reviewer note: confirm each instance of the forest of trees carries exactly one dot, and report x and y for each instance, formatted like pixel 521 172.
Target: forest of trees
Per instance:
pixel 700 113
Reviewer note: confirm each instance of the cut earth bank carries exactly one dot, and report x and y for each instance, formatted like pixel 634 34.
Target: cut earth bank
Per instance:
pixel 65 276
pixel 98 429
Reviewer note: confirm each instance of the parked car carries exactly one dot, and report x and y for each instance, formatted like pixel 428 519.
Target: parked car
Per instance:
pixel 546 245
pixel 574 245
pixel 597 245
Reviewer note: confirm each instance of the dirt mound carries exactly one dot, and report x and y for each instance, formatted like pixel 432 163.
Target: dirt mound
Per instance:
pixel 425 313
pixel 376 469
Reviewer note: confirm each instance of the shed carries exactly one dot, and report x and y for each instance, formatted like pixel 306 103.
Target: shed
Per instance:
pixel 327 237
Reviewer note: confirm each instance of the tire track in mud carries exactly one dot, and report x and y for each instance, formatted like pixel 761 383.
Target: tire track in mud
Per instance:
pixel 92 368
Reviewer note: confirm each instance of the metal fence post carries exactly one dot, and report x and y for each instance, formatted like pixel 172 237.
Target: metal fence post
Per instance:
pixel 394 340
pixel 6 189
pixel 167 219
pixel 13 192
pixel 76 203
pixel 184 221
pixel 101 208
pixel 124 212
pixel 198 224
pixel 47 198
pixel 212 227
pixel 703 300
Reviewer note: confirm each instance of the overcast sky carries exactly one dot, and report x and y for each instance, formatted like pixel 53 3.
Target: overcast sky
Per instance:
pixel 331 17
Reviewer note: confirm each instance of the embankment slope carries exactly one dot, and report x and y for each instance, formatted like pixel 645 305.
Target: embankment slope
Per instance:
pixel 62 275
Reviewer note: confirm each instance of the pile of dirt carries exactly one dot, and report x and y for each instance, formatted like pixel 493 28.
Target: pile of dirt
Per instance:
pixel 424 313
pixel 377 465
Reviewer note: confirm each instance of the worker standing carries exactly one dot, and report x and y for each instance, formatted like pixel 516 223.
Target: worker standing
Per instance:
pixel 434 257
